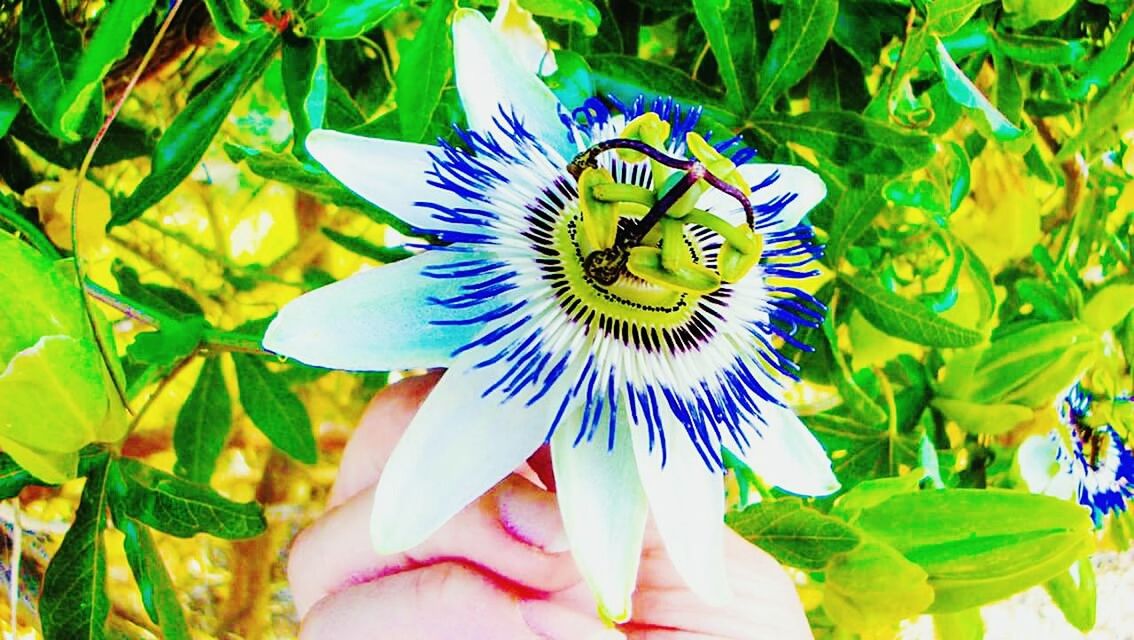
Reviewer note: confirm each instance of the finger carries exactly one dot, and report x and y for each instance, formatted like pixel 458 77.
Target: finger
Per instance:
pixel 765 601
pixel 383 422
pixel 438 602
pixel 514 532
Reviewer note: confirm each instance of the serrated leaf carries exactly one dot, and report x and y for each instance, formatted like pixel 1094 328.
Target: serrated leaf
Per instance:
pixel 853 142
pixel 181 508
pixel 203 424
pixel 805 27
pixel 74 604
pixel 424 69
pixel 732 36
pixel 159 597
pixel 904 318
pixel 189 135
pixel 274 409
pixel 794 534
pixel 346 19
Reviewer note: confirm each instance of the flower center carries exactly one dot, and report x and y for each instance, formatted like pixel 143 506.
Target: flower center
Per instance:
pixel 632 230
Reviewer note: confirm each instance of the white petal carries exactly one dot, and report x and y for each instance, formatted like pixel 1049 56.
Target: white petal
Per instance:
pixel 489 77
pixel 388 173
pixel 687 502
pixel 807 186
pixel 604 513
pixel 519 30
pixel 377 320
pixel 458 446
pixel 1041 469
pixel 788 456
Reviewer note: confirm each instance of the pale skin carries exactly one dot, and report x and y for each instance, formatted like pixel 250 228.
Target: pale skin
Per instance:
pixel 501 569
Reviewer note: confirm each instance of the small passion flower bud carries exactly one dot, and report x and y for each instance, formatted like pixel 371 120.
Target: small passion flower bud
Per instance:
pixel 56 394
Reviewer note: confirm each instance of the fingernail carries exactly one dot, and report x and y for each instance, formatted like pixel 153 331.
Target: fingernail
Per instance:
pixel 532 517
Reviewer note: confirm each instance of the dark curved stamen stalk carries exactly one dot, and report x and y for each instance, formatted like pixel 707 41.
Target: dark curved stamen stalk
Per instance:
pixel 586 159
pixel 737 194
pixel 606 265
pixel 696 172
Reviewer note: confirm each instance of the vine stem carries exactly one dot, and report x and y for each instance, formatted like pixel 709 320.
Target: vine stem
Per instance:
pixel 84 168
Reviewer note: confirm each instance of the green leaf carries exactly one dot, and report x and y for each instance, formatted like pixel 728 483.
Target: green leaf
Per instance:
pixel 805 27
pixel 869 493
pixel 794 534
pixel 111 41
pixel 853 142
pixel 189 135
pixel 310 178
pixel 74 604
pixel 1108 306
pixel 732 35
pixel 904 318
pixel 873 586
pixel 864 27
pixel 627 77
pixel 45 60
pixel 274 409
pixel 981 545
pixel 855 210
pixel 1029 366
pixel 962 625
pixel 861 451
pixel 159 597
pixel 155 298
pixel 124 140
pixel 944 17
pixel 230 18
pixel 305 79
pixel 178 507
pixel 961 89
pixel 858 402
pixel 203 424
pixel 1104 68
pixel 582 12
pixel 9 108
pixel 1075 592
pixel 571 82
pixel 1025 13
pixel 365 248
pixel 425 67
pixel 346 19
pixel 987 418
pixel 1040 50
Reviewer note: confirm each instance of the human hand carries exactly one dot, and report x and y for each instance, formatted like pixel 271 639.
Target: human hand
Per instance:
pixel 501 569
